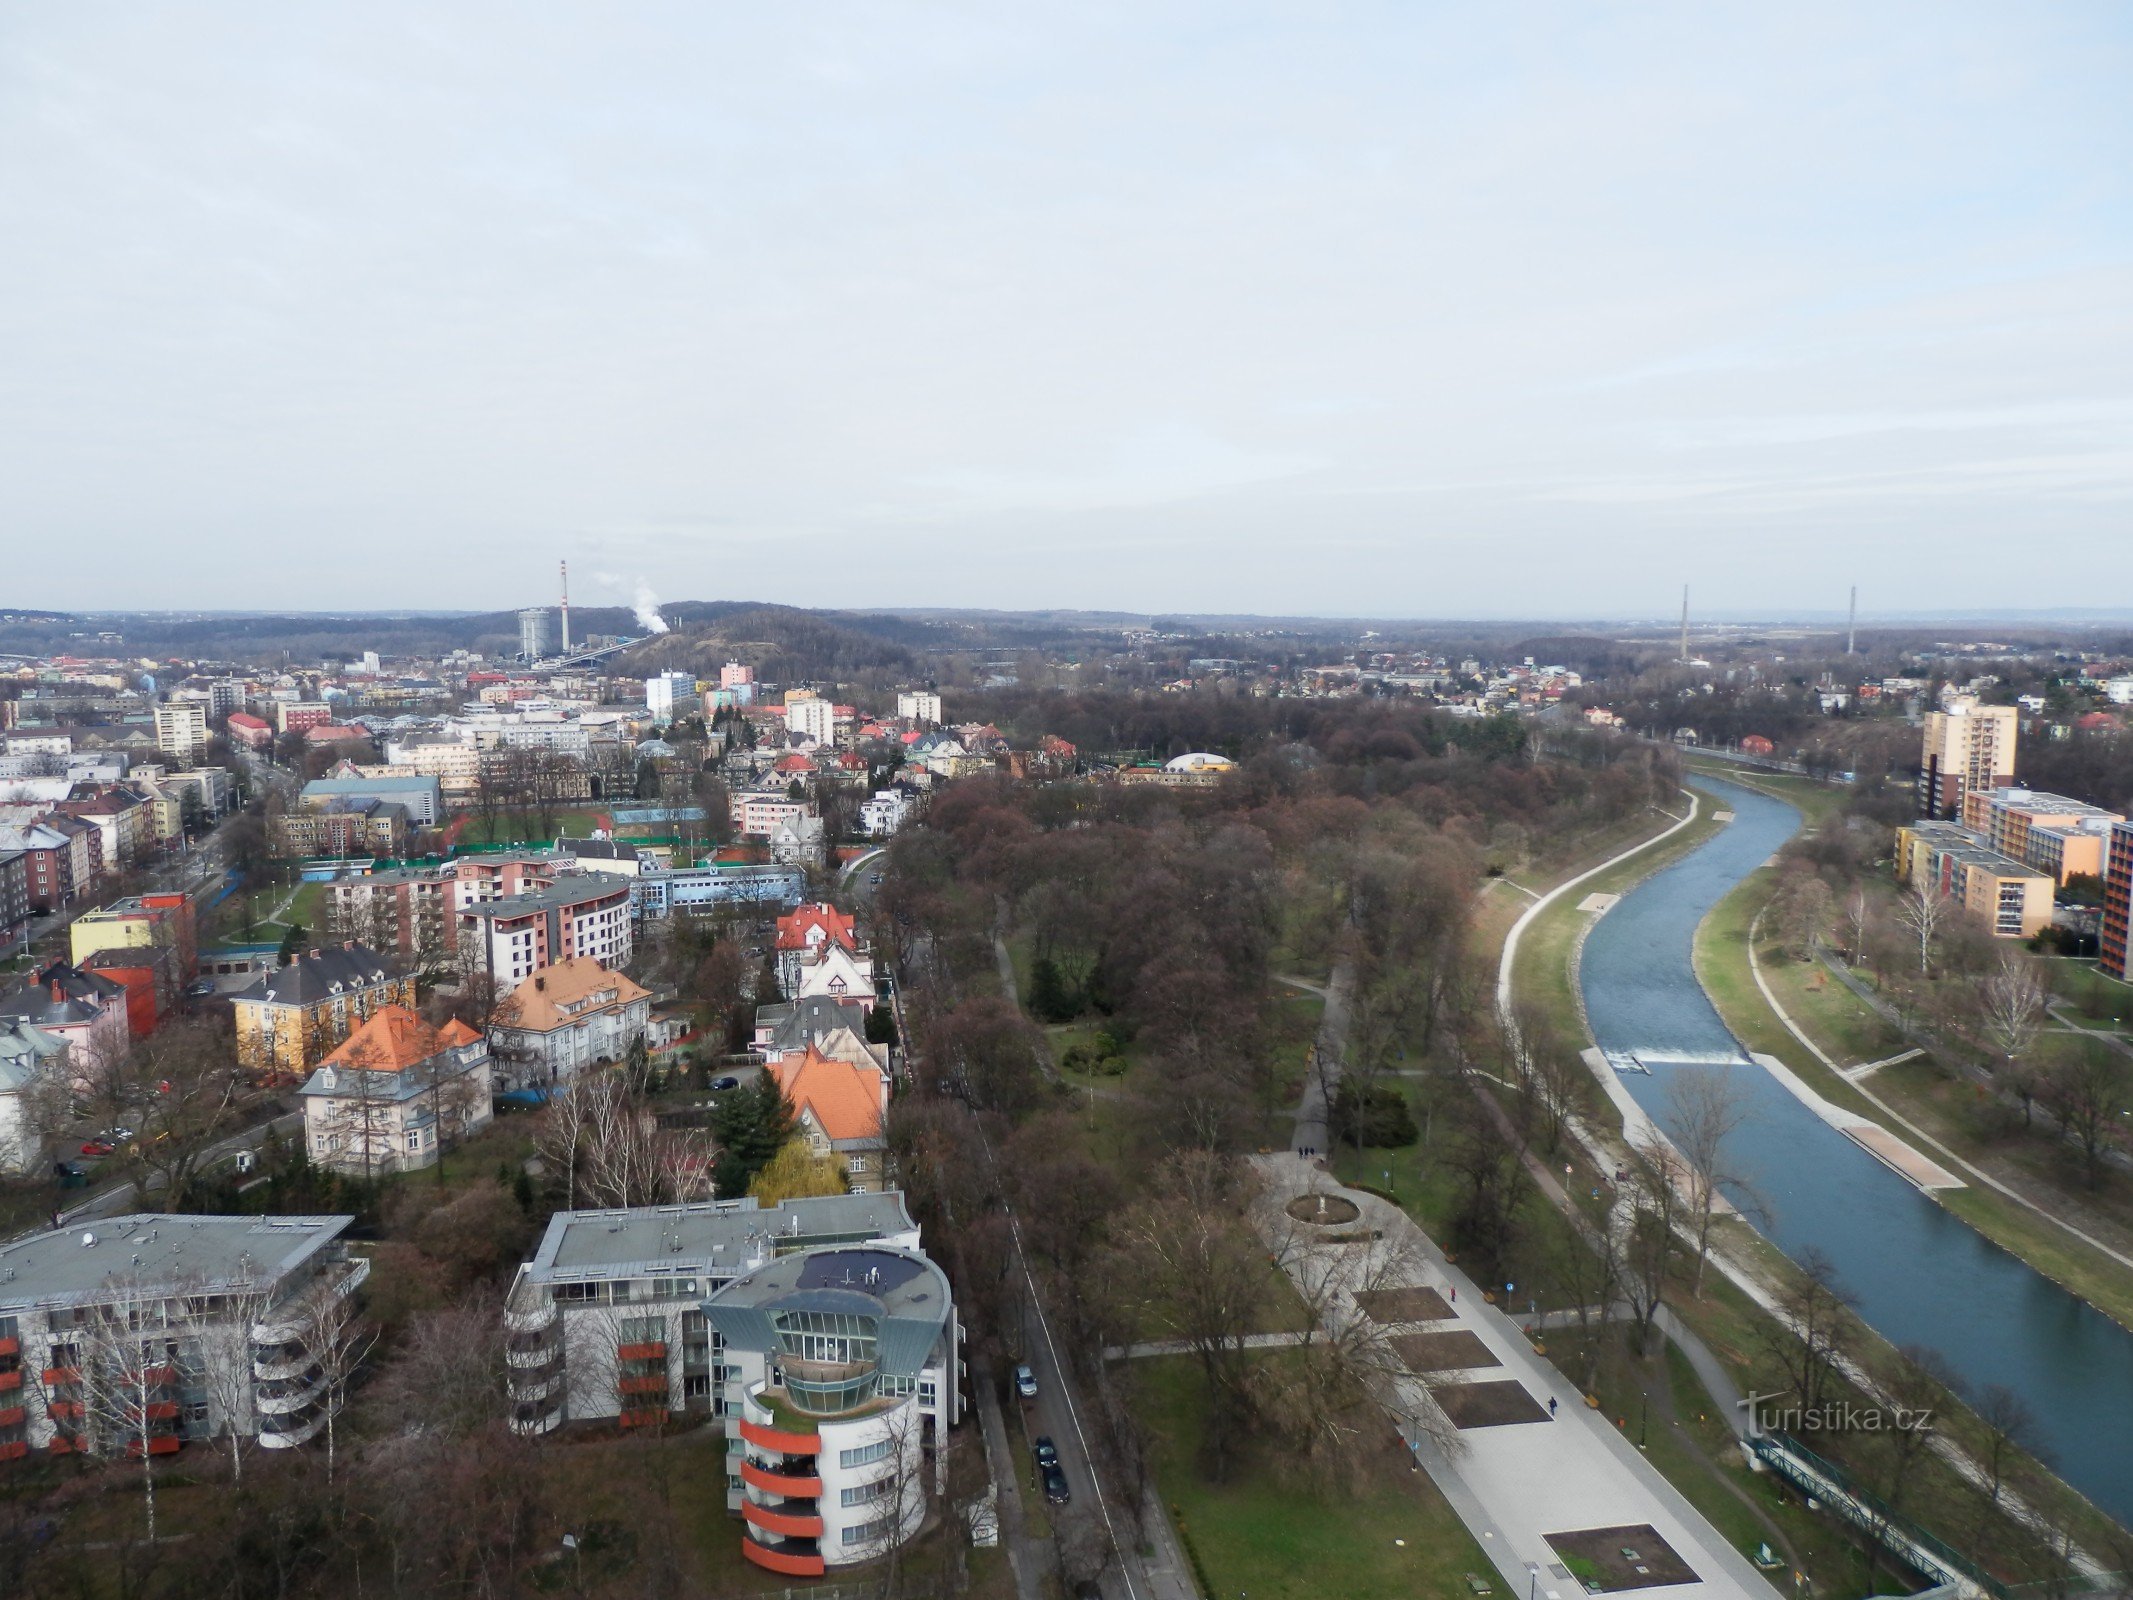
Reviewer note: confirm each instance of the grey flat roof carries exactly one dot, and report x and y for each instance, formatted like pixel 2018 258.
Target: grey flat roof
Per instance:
pixel 569 892
pixel 162 1253
pixel 720 1234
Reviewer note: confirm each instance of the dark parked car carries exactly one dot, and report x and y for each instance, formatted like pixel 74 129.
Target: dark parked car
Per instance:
pixel 1055 1487
pixel 725 1083
pixel 1047 1453
pixel 70 1175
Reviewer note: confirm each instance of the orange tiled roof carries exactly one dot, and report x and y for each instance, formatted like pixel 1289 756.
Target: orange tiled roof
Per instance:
pixel 391 1040
pixel 840 927
pixel 545 999
pixel 847 1101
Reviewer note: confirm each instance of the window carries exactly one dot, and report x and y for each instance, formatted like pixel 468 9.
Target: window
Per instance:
pixel 865 1454
pixel 855 1164
pixel 865 1493
pixel 866 1532
pixel 414 1139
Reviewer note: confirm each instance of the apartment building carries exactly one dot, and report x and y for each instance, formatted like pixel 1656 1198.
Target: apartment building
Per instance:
pixel 735 676
pixel 15 903
pixel 140 1334
pixel 884 812
pixel 30 1059
pixel 181 729
pixel 566 1017
pixel 810 718
pixel 668 695
pixel 587 915
pixel 2012 900
pixel 2066 838
pixel 343 828
pixel 252 732
pixel 2117 942
pixel 161 921
pixel 406 912
pixel 296 1015
pixel 496 877
pixel 919 706
pixel 293 716
pixel 759 814
pixel 843 1372
pixel 1967 746
pixel 396 1094
pixel 817 1329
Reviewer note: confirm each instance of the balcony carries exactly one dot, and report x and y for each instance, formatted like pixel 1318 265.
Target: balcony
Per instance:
pixel 800 1559
pixel 10 1380
pixel 534 1317
pixel 10 1346
pixel 794 1485
pixel 279 1399
pixel 651 1383
pixel 537 1386
pixel 12 1417
pixel 61 1377
pixel 785 1524
pixel 285 1361
pixel 656 1350
pixel 162 1444
pixel 532 1353
pixel 768 1438
pixel 14 1450
pixel 287 1329
pixel 289 1438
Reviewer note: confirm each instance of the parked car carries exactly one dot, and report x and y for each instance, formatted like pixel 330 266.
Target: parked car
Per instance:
pixel 118 1135
pixel 97 1147
pixel 1047 1453
pixel 1055 1487
pixel 1025 1382
pixel 874 877
pixel 70 1174
pixel 725 1083
pixel 200 988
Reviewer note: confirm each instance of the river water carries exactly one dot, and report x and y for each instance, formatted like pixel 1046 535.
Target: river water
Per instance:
pixel 1914 1272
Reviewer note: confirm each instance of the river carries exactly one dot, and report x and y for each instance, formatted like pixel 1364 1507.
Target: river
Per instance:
pixel 1917 1274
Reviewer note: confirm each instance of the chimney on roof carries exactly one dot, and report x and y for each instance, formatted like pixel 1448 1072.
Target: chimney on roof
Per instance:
pixel 540 982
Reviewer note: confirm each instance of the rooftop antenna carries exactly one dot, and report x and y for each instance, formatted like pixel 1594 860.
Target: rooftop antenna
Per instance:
pixel 1684 622
pixel 566 607
pixel 1851 626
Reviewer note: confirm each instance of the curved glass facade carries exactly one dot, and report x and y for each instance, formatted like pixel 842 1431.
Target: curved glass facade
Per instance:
pixel 828 1360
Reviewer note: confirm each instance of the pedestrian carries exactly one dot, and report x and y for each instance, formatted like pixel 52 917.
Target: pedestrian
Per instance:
pixel 1455 1292
pixel 1551 1407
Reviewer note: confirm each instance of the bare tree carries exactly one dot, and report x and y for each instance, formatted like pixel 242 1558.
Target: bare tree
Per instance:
pixel 1197 1273
pixel 2090 1092
pixel 2010 1432
pixel 125 1363
pixel 1644 1219
pixel 1858 918
pixel 332 1327
pixel 2011 1003
pixel 222 1324
pixel 1812 1333
pixel 898 1496
pixel 1924 910
pixel 1704 1106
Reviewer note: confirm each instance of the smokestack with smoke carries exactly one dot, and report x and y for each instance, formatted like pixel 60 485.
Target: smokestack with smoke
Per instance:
pixel 647 608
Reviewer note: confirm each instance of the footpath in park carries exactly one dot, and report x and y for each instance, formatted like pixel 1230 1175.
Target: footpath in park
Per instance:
pixel 1534 1487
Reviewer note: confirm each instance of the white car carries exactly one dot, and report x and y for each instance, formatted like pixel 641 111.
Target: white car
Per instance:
pixel 1025 1383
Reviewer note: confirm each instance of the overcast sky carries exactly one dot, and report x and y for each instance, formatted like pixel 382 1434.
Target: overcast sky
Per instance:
pixel 1400 310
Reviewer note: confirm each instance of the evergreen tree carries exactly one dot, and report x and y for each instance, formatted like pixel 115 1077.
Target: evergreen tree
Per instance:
pixel 1050 1000
pixel 752 1125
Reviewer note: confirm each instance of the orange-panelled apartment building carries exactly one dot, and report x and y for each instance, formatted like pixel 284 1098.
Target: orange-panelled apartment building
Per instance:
pixel 2063 837
pixel 2117 951
pixel 1967 747
pixel 2013 900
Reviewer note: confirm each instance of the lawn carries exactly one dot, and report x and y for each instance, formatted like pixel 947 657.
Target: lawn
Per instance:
pixel 1269 1536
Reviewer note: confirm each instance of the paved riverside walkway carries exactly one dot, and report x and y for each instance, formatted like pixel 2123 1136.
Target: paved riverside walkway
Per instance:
pixel 1515 1483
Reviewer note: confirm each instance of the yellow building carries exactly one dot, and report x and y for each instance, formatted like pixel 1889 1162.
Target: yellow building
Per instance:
pixel 296 1015
pixel 2012 899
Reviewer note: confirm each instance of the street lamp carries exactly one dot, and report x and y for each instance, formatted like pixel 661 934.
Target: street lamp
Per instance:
pixel 1533 1578
pixel 1644 1418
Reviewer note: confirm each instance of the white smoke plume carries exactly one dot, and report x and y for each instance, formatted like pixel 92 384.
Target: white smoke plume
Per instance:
pixel 645 603
pixel 648 617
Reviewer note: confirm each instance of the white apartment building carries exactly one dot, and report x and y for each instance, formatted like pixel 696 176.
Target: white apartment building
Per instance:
pixel 813 718
pixel 668 695
pixel 146 1332
pixel 885 812
pixel 587 915
pixel 396 1094
pixel 919 705
pixel 565 1018
pixel 181 729
pixel 636 1279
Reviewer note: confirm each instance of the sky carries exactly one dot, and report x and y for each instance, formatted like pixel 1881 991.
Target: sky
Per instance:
pixel 1403 310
